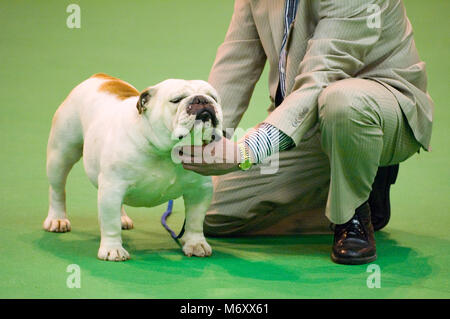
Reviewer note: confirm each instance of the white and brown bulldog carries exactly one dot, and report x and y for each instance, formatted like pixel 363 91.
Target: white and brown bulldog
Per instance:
pixel 126 140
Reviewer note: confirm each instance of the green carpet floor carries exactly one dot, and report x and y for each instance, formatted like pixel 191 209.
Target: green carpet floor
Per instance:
pixel 144 42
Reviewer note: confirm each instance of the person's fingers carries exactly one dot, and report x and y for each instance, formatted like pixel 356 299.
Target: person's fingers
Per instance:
pixel 197 169
pixel 189 159
pixel 189 167
pixel 204 158
pixel 191 163
pixel 211 148
pixel 192 150
pixel 193 167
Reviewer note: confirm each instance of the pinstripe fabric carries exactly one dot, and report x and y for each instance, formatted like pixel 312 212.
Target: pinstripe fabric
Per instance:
pixel 330 42
pixel 240 56
pixel 289 15
pixel 362 127
pixel 267 140
pixel 247 202
pixel 343 46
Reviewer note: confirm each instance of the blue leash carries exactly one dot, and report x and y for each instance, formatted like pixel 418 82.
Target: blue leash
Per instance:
pixel 164 217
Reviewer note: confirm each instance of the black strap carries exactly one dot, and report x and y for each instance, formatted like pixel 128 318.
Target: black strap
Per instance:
pixel 278 96
pixel 164 218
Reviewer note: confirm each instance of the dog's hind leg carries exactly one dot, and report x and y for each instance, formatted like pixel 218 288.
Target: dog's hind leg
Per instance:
pixel 65 147
pixel 127 223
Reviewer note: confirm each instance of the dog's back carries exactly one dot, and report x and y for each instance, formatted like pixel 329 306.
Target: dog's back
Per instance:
pixel 93 95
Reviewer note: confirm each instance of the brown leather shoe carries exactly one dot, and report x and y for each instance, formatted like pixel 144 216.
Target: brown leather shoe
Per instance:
pixel 354 241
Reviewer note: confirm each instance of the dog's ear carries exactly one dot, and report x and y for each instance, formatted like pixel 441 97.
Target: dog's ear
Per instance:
pixel 143 100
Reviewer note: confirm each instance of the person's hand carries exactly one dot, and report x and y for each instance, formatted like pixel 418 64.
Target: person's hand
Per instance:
pixel 216 158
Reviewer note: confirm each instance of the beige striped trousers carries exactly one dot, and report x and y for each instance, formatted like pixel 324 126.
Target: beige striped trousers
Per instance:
pixel 324 178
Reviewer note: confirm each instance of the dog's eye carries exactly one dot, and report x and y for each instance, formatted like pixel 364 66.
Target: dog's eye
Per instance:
pixel 213 97
pixel 177 99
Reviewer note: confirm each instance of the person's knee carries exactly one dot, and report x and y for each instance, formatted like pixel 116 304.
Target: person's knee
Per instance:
pixel 224 217
pixel 222 225
pixel 343 101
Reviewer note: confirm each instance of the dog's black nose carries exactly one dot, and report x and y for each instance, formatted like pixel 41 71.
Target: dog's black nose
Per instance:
pixel 204 115
pixel 203 110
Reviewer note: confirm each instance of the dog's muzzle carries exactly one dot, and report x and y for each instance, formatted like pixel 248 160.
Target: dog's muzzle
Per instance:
pixel 203 110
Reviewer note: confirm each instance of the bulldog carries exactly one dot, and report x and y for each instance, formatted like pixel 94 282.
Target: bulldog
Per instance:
pixel 126 139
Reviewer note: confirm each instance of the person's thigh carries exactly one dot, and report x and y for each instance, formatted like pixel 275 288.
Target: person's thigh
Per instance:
pixel 254 202
pixel 363 128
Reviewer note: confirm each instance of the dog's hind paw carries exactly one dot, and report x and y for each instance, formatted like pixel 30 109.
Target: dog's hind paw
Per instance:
pixel 113 253
pixel 197 247
pixel 57 225
pixel 127 223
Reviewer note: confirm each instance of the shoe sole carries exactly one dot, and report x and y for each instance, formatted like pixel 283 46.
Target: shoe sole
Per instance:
pixel 353 261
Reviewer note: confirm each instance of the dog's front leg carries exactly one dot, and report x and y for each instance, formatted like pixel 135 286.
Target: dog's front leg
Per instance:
pixel 196 202
pixel 110 198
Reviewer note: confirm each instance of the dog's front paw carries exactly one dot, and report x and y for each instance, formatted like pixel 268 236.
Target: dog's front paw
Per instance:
pixel 113 253
pixel 57 225
pixel 196 245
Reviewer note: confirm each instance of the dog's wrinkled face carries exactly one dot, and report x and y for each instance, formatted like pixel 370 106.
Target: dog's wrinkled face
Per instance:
pixel 173 107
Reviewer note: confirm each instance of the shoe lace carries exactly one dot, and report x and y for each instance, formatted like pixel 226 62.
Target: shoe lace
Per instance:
pixel 353 228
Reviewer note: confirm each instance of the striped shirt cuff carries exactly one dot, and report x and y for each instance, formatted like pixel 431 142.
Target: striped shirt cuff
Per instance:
pixel 267 140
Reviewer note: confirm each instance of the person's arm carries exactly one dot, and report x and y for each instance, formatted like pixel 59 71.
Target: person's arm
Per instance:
pixel 266 140
pixel 337 50
pixel 342 39
pixel 238 65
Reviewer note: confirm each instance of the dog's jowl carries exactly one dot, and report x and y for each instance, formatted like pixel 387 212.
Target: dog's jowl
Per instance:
pixel 126 138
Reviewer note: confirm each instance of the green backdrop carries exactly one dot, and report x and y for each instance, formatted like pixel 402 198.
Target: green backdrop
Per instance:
pixel 144 42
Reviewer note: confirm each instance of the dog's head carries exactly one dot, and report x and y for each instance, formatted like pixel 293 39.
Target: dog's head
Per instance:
pixel 173 107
